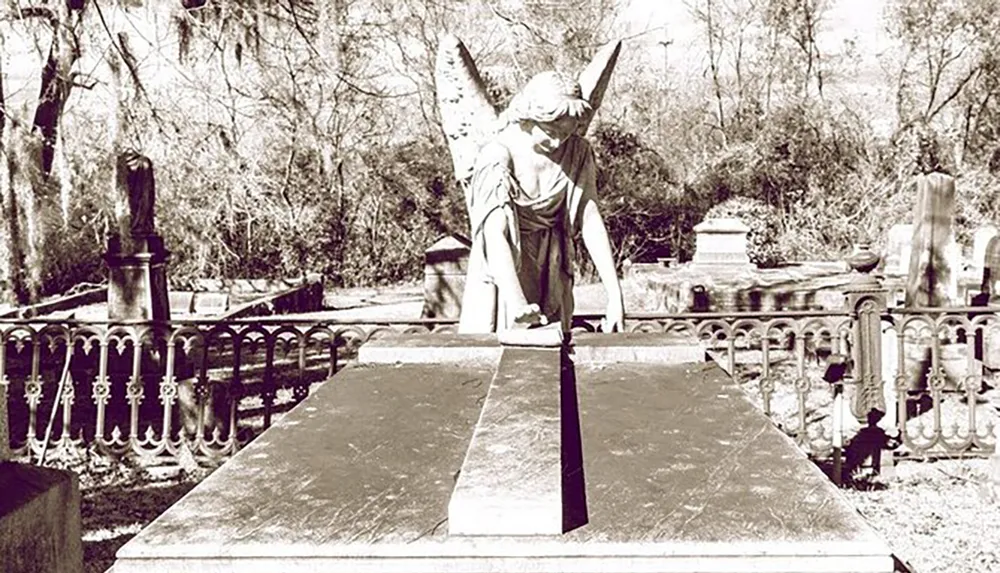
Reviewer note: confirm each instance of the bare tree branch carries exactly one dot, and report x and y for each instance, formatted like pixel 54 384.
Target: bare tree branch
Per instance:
pixel 16 13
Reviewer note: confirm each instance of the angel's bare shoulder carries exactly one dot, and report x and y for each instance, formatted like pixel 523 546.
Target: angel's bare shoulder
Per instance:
pixel 494 154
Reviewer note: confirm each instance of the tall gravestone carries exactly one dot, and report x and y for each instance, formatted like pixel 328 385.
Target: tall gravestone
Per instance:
pixel 991 271
pixel 136 257
pixel 933 275
pixel 932 280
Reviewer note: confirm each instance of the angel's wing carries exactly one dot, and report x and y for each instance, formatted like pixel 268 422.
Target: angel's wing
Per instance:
pixel 467 116
pixel 595 77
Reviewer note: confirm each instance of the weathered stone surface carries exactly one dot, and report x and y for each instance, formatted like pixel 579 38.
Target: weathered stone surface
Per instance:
pixel 39 520
pixel 137 286
pixel 980 241
pixel 210 303
pixel 641 347
pixel 181 302
pixel 679 473
pixel 510 482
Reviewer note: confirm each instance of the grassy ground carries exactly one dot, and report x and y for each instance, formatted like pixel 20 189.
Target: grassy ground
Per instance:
pixel 936 516
pixel 119 498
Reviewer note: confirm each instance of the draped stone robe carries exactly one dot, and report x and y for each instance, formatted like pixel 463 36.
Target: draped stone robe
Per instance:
pixel 541 231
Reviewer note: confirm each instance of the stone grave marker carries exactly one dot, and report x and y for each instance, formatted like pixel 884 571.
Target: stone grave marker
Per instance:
pixel 990 296
pixel 721 242
pixel 932 279
pixel 897 250
pixel 446 263
pixel 136 256
pixel 210 303
pixel 980 241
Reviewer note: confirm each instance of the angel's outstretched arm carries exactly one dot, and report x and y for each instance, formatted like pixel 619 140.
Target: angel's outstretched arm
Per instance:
pixel 595 238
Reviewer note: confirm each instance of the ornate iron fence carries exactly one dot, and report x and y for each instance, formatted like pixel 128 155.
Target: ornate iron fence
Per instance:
pixel 939 373
pixel 206 387
pixel 159 390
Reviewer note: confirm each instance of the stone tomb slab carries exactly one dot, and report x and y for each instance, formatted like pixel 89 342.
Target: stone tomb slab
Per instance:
pixel 677 471
pixel 585 348
pixel 511 479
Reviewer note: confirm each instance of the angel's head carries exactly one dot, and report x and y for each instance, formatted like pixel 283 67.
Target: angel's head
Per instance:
pixel 550 108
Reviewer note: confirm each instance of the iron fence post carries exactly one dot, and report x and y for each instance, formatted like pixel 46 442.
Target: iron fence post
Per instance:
pixel 867 298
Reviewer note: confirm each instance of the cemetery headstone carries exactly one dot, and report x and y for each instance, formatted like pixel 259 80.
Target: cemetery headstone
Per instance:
pixel 721 242
pixel 446 263
pixel 897 251
pixel 980 241
pixel 990 295
pixel 932 279
pixel 990 286
pixel 210 303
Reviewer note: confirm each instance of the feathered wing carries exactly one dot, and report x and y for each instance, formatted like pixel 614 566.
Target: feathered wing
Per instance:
pixel 467 116
pixel 595 77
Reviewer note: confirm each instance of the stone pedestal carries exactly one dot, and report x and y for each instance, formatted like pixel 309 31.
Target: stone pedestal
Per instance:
pixel 721 243
pixel 445 267
pixel 137 281
pixel 39 520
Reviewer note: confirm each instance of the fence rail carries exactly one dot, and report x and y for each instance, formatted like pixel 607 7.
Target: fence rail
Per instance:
pixel 205 387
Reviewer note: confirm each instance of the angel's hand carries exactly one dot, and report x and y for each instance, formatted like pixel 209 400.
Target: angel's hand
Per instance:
pixel 530 315
pixel 614 316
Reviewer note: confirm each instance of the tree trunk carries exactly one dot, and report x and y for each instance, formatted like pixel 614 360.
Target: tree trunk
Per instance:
pixel 31 199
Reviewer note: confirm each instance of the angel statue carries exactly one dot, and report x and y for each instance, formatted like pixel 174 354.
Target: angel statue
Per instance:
pixel 529 179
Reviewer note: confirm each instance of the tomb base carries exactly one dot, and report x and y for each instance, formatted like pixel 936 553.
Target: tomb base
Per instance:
pixel 673 469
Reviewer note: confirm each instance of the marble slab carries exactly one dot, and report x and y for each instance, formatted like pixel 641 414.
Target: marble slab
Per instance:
pixel 511 479
pixel 642 347
pixel 587 347
pixel 428 349
pixel 672 469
